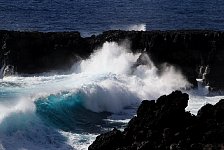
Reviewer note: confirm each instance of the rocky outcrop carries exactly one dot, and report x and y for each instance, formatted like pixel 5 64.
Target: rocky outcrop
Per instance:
pixel 188 50
pixel 35 52
pixel 164 124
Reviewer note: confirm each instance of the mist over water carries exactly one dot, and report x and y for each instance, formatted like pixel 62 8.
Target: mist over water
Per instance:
pixel 68 111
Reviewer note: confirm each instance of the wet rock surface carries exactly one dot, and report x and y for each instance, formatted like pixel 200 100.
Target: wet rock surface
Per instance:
pixel 164 124
pixel 187 50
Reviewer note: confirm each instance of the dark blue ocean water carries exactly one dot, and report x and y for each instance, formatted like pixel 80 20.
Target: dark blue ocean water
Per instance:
pixel 95 16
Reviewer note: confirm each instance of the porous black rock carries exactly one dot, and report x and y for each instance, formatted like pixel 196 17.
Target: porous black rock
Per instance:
pixel 165 125
pixel 109 141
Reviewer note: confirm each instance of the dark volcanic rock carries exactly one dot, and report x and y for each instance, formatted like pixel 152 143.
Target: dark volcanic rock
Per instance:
pixel 109 141
pixel 188 50
pixel 35 52
pixel 164 124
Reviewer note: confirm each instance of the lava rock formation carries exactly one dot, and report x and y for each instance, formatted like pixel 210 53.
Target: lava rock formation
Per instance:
pixel 165 125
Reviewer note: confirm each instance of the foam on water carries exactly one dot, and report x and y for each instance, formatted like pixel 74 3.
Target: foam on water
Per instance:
pixel 67 111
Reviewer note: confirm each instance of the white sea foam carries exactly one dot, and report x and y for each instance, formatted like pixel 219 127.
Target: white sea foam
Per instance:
pixel 79 141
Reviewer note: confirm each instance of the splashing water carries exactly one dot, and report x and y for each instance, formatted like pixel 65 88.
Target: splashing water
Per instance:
pixel 68 111
pixel 2 71
pixel 130 27
pixel 137 27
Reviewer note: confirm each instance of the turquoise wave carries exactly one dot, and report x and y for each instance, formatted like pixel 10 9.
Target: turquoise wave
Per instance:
pixel 66 111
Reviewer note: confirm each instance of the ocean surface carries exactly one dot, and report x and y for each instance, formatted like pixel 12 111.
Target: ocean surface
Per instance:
pixel 94 16
pixel 66 112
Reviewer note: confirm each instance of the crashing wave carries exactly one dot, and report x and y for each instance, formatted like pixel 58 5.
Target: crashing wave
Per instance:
pixel 54 109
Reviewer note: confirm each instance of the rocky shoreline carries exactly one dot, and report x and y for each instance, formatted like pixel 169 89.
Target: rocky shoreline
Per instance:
pixel 197 53
pixel 165 125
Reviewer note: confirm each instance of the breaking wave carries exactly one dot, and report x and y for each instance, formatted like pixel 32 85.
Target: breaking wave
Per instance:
pixel 67 111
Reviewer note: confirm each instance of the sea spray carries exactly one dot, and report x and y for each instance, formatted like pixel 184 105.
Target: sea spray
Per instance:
pixel 143 79
pixel 130 27
pixel 137 27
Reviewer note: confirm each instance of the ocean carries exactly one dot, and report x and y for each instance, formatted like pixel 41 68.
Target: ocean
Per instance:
pixel 94 16
pixel 68 111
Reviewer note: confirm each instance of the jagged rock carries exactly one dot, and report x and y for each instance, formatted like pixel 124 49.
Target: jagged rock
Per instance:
pixel 108 141
pixel 164 124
